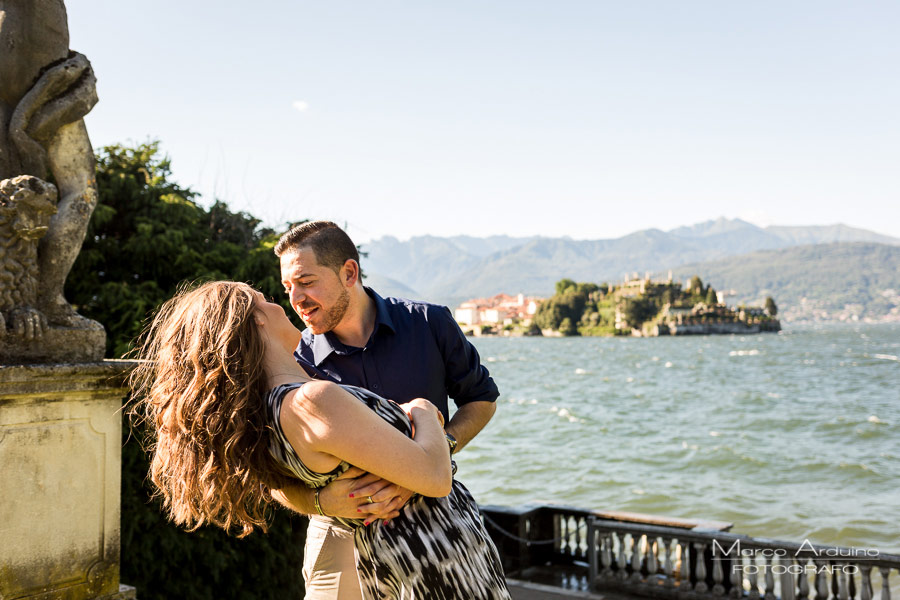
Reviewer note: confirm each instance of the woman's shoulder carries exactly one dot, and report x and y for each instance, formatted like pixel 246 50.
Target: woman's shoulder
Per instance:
pixel 321 397
pixel 316 391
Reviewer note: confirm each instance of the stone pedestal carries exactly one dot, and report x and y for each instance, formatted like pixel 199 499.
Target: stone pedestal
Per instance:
pixel 60 476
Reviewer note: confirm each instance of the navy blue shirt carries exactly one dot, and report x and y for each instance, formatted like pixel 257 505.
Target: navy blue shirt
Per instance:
pixel 416 350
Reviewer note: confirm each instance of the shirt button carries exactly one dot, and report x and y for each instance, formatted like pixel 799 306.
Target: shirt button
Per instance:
pixel 375 386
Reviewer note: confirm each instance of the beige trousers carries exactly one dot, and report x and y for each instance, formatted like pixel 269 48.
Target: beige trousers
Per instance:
pixel 329 562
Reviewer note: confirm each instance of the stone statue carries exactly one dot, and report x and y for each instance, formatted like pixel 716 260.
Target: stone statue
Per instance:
pixel 45 91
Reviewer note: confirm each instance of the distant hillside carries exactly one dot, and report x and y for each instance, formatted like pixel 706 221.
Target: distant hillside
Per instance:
pixel 829 233
pixel 449 270
pixel 823 281
pixel 389 287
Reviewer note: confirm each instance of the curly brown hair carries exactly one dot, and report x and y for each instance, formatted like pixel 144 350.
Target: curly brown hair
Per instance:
pixel 201 390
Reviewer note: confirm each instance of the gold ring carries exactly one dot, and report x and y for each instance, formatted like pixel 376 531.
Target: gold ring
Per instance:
pixel 369 498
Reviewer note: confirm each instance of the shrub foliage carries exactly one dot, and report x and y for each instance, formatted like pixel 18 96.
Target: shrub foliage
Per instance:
pixel 146 237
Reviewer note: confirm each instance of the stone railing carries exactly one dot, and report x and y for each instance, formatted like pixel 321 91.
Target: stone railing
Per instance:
pixel 653 556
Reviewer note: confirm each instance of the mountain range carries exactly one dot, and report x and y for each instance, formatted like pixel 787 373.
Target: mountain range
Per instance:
pixel 449 270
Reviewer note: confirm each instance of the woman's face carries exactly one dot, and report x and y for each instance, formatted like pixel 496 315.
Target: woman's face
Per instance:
pixel 274 323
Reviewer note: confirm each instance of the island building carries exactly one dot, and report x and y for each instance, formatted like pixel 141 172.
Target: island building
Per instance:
pixel 679 317
pixel 498 310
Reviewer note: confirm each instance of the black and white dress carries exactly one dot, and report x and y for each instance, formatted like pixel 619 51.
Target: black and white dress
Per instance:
pixel 437 548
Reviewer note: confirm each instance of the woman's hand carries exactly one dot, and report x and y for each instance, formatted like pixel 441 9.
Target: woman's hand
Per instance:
pixel 423 408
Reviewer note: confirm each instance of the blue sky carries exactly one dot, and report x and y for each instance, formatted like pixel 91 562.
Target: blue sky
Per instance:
pixel 583 118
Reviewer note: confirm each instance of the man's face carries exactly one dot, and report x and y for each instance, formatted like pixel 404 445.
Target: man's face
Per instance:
pixel 316 292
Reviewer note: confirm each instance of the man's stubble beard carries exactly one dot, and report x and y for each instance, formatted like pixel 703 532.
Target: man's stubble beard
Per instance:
pixel 337 311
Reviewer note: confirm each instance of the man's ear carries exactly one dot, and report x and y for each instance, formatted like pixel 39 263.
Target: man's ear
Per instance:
pixel 350 272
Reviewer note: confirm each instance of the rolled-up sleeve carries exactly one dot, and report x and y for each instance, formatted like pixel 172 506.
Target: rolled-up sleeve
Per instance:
pixel 466 379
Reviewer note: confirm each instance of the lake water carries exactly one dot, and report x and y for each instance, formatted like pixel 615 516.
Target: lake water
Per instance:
pixel 789 436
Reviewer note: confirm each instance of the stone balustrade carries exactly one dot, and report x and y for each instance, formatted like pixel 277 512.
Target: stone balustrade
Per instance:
pixel 674 558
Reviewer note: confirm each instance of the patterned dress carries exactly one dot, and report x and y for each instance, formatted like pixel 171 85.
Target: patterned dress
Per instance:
pixel 436 549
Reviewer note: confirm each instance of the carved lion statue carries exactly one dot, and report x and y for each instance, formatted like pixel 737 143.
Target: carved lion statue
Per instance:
pixel 26 205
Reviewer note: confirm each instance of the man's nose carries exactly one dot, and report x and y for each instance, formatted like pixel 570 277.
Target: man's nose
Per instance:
pixel 297 295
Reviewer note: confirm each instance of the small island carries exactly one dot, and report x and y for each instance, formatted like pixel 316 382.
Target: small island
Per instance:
pixel 637 307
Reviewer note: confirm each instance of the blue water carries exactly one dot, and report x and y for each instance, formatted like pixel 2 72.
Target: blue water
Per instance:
pixel 789 436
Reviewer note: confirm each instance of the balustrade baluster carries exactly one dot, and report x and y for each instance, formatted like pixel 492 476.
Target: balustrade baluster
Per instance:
pixel 574 541
pixel 835 583
pixel 700 568
pixel 621 571
pixel 803 579
pixel 787 579
pixel 885 583
pixel 577 541
pixel 581 523
pixel 737 577
pixel 668 567
pixel 752 576
pixel 865 582
pixel 718 575
pixel 851 580
pixel 821 580
pixel 770 578
pixel 685 564
pixel 652 558
pixel 606 556
pixel 593 551
pixel 636 558
pixel 843 588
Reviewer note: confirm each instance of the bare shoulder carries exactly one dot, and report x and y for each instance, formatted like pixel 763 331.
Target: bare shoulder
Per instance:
pixel 316 394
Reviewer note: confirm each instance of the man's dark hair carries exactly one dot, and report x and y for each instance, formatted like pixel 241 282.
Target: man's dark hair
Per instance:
pixel 331 245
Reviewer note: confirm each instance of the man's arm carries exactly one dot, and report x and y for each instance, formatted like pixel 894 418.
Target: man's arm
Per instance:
pixel 466 379
pixel 468 420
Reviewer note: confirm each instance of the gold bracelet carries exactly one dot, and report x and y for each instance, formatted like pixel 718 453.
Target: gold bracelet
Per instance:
pixel 319 506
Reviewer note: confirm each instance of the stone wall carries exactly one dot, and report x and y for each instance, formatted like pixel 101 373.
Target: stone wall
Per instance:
pixel 60 451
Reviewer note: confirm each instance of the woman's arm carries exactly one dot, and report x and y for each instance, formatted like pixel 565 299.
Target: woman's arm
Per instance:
pixel 326 424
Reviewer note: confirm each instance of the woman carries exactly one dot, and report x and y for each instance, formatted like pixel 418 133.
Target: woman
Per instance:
pixel 234 416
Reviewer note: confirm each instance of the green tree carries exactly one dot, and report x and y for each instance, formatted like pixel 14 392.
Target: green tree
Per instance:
pixel 147 236
pixel 696 286
pixel 563 285
pixel 711 299
pixel 771 308
pixel 638 310
pixel 567 327
pixel 569 302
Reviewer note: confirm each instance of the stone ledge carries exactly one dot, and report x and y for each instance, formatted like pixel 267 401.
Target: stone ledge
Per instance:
pixel 83 341
pixel 108 376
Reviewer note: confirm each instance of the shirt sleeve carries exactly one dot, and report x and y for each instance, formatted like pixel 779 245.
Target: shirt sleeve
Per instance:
pixel 467 380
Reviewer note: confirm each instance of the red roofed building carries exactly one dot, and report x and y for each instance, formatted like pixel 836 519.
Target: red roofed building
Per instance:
pixel 497 310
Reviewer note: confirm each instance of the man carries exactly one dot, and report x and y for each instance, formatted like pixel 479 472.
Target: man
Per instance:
pixel 397 348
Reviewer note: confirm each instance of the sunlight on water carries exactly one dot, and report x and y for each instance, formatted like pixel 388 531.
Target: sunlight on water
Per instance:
pixel 789 436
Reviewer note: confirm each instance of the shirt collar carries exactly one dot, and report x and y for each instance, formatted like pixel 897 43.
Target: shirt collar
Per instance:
pixel 323 345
